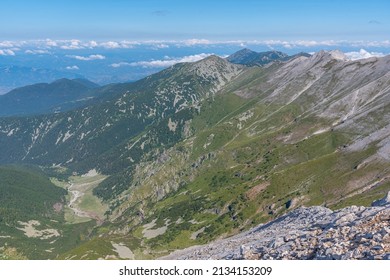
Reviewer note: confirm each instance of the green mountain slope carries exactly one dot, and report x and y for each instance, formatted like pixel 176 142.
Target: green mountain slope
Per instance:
pixel 107 136
pixel 26 194
pixel 258 149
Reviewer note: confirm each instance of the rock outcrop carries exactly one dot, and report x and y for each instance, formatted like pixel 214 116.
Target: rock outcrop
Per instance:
pixel 308 233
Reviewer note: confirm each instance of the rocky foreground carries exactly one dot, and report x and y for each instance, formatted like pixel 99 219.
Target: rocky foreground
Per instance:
pixel 308 233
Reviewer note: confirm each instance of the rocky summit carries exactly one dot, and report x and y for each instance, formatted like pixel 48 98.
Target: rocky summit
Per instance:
pixel 308 233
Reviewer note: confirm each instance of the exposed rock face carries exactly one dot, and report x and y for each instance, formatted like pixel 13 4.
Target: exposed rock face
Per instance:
pixel 308 233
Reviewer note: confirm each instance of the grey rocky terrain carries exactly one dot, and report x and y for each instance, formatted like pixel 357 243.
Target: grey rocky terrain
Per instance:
pixel 308 233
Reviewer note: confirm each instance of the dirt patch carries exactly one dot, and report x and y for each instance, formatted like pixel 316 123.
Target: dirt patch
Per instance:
pixel 90 173
pixel 58 207
pixel 29 229
pixel 172 125
pixel 361 182
pixel 149 233
pixel 195 234
pixel 123 251
pixel 253 192
pixel 367 187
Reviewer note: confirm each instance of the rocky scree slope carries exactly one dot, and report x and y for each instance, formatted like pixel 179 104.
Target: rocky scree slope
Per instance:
pixel 308 233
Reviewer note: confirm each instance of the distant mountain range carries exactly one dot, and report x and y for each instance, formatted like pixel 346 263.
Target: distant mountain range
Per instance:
pixel 16 76
pixel 60 95
pixel 251 58
pixel 208 149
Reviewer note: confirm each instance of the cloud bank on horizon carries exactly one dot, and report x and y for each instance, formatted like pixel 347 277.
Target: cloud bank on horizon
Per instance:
pixel 88 58
pixel 362 54
pixel 71 49
pixel 166 62
pixel 40 47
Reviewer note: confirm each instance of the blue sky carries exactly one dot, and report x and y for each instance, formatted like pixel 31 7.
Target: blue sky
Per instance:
pixel 179 20
pixel 118 40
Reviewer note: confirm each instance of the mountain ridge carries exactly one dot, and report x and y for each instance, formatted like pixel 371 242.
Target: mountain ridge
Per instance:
pixel 13 76
pixel 251 58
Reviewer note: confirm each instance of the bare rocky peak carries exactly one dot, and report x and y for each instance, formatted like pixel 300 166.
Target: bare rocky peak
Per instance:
pixel 216 68
pixel 215 63
pixel 328 76
pixel 334 54
pixel 308 233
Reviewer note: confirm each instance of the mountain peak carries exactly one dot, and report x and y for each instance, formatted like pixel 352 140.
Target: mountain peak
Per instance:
pixel 212 57
pixel 214 68
pixel 61 81
pixel 85 82
pixel 334 54
pixel 244 51
pixel 339 55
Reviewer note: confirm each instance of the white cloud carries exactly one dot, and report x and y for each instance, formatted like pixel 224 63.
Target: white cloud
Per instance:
pixel 129 44
pixel 314 43
pixel 362 54
pixel 166 62
pixel 110 45
pixel 116 65
pixel 119 45
pixel 159 46
pixel 6 52
pixel 7 44
pixel 384 44
pixel 92 44
pixel 193 42
pixel 74 67
pixel 72 45
pixel 88 58
pixel 37 52
pixel 51 43
pixel 297 43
